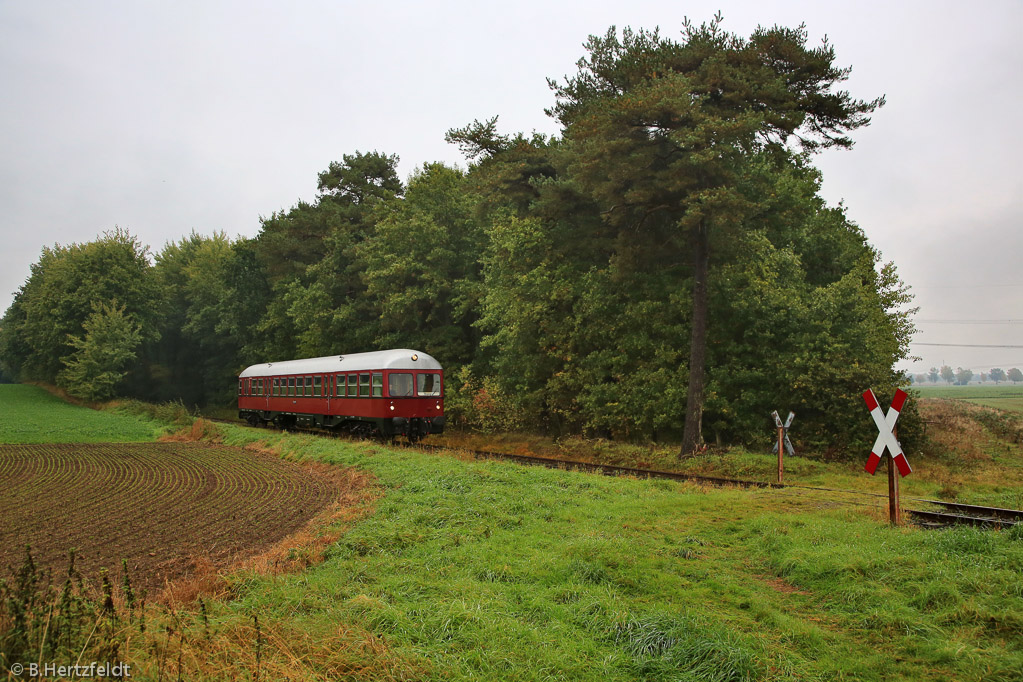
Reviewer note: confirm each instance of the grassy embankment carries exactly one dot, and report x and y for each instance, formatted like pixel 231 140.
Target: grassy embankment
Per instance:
pixel 486 570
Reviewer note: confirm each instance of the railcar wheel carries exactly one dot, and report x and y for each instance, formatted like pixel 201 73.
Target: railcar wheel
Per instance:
pixel 253 420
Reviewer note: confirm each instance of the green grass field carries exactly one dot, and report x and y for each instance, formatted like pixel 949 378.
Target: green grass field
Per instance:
pixel 466 570
pixel 1003 397
pixel 481 570
pixel 29 414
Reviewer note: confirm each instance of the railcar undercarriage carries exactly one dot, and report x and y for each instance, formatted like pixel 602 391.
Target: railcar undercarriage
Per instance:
pixel 412 428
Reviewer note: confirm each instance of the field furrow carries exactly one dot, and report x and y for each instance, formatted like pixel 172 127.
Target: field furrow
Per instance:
pixel 157 505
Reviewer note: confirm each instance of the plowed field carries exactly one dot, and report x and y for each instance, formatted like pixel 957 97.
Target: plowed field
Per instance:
pixel 157 505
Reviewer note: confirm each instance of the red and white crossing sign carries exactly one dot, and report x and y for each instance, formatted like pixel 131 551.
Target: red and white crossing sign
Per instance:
pixel 886 437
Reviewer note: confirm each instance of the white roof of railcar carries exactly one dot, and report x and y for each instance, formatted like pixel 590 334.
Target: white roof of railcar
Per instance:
pixel 399 358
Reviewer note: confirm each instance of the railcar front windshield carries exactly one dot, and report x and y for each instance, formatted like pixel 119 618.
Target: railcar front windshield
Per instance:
pixel 399 385
pixel 429 384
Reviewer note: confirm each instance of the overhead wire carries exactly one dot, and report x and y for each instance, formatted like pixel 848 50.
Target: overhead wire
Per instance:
pixel 933 321
pixel 964 345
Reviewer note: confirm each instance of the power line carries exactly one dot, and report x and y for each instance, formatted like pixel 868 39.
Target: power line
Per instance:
pixel 970 321
pixel 965 345
pixel 965 286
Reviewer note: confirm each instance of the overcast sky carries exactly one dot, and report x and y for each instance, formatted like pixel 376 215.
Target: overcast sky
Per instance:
pixel 164 118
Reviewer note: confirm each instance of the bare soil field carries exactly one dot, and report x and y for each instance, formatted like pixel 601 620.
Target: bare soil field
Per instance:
pixel 163 507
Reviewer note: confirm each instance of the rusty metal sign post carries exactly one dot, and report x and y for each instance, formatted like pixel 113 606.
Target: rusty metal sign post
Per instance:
pixel 783 438
pixel 887 438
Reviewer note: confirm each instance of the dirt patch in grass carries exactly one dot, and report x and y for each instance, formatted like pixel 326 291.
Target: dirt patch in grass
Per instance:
pixel 780 585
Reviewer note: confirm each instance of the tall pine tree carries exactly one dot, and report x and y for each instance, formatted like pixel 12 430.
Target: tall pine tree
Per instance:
pixel 659 132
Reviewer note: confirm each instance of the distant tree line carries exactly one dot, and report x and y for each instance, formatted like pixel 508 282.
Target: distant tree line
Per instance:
pixel 963 376
pixel 559 280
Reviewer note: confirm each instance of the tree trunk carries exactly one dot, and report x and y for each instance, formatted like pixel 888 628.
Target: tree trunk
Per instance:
pixel 692 437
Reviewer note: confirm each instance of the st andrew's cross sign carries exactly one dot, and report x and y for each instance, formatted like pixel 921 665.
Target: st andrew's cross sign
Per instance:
pixel 885 437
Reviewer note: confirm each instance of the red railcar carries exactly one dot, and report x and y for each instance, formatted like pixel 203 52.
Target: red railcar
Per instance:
pixel 384 393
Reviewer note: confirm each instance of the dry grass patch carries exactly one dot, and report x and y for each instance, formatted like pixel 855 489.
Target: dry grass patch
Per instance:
pixel 953 430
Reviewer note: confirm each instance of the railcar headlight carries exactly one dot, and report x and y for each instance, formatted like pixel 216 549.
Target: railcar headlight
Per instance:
pixel 438 406
pixel 392 407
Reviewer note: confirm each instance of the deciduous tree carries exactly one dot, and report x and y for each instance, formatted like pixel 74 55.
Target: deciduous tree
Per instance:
pixel 65 283
pixel 318 303
pixel 198 353
pixel 101 355
pixel 421 268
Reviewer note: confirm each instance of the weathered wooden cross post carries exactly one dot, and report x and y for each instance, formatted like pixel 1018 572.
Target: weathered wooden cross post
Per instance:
pixel 894 504
pixel 783 438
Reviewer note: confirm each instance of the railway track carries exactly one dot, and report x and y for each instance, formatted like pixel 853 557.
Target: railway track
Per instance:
pixel 965 514
pixel 606 469
pixel 951 514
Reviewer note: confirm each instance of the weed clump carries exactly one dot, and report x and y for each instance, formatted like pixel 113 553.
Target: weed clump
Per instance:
pixel 173 412
pixel 662 645
pixel 44 620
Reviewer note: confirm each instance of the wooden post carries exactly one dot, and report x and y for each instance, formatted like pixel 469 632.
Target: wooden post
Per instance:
pixel 894 513
pixel 781 449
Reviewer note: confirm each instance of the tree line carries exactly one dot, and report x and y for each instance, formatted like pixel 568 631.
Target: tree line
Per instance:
pixel 664 269
pixel 963 376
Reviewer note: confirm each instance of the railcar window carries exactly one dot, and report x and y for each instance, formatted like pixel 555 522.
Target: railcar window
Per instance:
pixel 240 381
pixel 364 385
pixel 308 385
pixel 399 385
pixel 276 388
pixel 353 385
pixel 259 387
pixel 428 384
pixel 317 385
pixel 339 385
pixel 291 385
pixel 378 384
